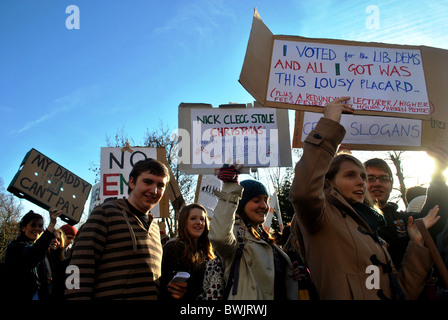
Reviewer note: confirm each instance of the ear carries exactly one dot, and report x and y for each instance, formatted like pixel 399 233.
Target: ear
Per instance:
pixel 131 183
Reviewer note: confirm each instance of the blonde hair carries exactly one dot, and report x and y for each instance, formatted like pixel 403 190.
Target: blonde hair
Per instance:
pixel 335 166
pixel 192 254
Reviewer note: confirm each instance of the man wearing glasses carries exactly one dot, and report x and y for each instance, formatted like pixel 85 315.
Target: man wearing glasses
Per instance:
pixel 380 183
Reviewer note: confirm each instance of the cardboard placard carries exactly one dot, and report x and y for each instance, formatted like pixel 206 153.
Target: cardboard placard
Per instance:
pixel 381 79
pixel 116 165
pixel 253 136
pixel 365 132
pixel 48 184
pixel 387 80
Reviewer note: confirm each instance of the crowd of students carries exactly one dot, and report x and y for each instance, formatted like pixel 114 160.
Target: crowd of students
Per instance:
pixel 343 224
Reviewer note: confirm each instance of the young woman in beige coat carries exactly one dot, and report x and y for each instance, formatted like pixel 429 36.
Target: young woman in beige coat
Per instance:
pixel 265 272
pixel 337 224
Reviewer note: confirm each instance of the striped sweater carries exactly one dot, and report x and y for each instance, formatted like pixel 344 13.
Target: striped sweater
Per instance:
pixel 116 256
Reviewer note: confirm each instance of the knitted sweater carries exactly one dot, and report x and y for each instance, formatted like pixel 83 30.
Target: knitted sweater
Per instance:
pixel 117 257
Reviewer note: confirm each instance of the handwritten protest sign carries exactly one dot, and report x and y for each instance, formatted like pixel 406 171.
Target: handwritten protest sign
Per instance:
pixel 242 135
pixel 255 137
pixel 386 80
pixel 48 184
pixel 116 165
pixel 378 79
pixel 205 196
pixel 363 132
pixel 95 197
pixel 274 208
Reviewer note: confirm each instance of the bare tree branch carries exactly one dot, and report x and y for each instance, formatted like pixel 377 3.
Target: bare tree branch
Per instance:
pixel 396 158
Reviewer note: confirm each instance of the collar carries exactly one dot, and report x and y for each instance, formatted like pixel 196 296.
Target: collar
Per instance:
pixel 371 216
pixel 360 211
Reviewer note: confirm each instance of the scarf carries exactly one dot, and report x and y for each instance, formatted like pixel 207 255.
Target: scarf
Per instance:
pixel 370 216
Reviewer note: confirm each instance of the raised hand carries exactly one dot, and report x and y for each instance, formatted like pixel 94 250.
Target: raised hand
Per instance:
pixel 334 109
pixel 429 220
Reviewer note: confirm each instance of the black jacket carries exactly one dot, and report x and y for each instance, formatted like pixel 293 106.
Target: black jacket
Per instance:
pixel 25 269
pixel 395 231
pixel 172 263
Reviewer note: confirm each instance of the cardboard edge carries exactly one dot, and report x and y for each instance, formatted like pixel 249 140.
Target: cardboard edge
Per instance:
pixel 255 71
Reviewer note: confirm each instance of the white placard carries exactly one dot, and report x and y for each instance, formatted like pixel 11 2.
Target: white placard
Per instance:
pixel 116 165
pixel 274 208
pixel 248 136
pixel 372 129
pixel 206 197
pixel 94 197
pixel 376 79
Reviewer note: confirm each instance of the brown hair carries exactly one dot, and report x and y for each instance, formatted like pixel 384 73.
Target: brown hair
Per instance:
pixel 149 165
pixel 192 254
pixel 335 166
pixel 380 164
pixel 31 216
pixel 258 233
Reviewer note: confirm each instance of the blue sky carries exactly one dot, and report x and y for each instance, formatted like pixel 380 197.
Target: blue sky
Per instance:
pixel 130 64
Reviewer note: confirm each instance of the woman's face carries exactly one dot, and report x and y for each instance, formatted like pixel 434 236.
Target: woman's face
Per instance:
pixel 256 209
pixel 196 222
pixel 56 242
pixel 34 229
pixel 350 181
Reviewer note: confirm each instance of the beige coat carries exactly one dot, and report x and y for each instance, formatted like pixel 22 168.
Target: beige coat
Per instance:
pixel 256 273
pixel 338 250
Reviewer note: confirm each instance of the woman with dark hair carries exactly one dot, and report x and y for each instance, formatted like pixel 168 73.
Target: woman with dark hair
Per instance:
pixel 337 224
pixel 263 271
pixel 26 273
pixel 187 253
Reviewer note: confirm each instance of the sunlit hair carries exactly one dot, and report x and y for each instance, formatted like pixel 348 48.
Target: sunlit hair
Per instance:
pixel 193 255
pixel 59 252
pixel 62 237
pixel 335 166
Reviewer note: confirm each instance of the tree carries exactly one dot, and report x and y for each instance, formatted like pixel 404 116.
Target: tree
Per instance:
pixel 280 179
pixel 396 158
pixel 10 212
pixel 285 205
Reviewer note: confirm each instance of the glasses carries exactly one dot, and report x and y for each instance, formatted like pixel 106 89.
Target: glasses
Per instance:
pixel 382 179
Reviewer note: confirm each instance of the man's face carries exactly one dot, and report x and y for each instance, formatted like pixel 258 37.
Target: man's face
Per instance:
pixel 146 191
pixel 379 184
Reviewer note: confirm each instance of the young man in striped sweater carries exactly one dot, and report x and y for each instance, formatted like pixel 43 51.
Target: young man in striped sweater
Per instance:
pixel 118 250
